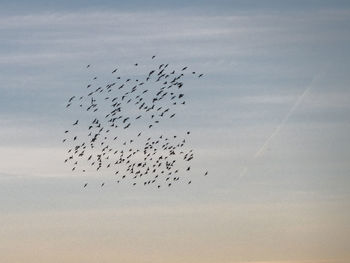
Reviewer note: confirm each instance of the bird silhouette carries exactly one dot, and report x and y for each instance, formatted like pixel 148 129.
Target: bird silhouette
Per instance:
pixel 128 106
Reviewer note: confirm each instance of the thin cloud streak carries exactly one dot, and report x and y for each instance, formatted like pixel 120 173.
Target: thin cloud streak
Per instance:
pixel 262 149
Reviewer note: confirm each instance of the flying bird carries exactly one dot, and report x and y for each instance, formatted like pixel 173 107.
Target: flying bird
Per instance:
pixel 112 111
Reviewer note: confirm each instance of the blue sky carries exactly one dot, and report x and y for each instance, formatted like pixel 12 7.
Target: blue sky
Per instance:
pixel 258 57
pixel 204 5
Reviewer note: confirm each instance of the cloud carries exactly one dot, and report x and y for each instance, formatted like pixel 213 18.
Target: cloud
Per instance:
pixel 255 65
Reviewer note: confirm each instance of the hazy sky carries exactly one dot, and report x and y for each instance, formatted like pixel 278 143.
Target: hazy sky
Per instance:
pixel 270 121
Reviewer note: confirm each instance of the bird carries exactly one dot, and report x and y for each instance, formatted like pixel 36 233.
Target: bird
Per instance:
pixel 156 159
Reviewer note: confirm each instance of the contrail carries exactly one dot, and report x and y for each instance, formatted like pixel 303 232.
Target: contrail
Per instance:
pixel 261 150
pixel 284 121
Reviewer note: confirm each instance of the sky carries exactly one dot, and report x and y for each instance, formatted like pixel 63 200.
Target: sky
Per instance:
pixel 270 121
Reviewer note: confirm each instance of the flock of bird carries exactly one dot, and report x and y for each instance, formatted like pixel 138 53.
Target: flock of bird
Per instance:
pixel 116 133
